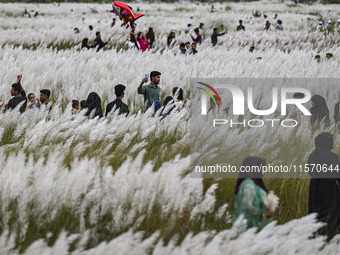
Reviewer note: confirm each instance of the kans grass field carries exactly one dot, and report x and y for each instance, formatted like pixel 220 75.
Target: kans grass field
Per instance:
pixel 70 185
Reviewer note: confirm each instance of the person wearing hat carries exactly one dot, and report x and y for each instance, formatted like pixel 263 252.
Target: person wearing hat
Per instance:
pixel 118 104
pixel 319 26
pixel 267 27
pixel 152 91
pixel 329 25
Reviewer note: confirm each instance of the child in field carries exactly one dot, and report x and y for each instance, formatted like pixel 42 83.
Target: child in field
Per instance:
pixel 33 102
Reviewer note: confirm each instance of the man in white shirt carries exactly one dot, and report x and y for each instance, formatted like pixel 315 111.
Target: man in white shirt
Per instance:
pixel 92 31
pixel 329 24
pixel 191 28
pixel 279 25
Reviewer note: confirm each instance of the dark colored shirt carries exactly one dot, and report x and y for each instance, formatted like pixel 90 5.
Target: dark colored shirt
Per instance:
pixel 46 105
pixel 117 105
pixel 198 39
pixel 240 27
pixel 23 94
pixel 150 36
pixel 193 52
pixel 169 41
pixel 214 38
pixel 99 42
pixel 16 101
pixel 150 94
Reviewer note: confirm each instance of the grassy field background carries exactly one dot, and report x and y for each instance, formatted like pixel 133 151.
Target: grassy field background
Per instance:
pixel 121 185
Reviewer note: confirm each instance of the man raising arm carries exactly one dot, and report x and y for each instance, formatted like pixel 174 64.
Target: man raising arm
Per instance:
pixel 152 91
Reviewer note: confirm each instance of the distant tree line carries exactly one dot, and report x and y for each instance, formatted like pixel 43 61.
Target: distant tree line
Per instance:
pixel 167 1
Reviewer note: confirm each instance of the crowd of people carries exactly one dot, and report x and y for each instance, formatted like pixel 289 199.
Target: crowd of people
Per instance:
pixel 143 43
pixel 31 102
pixel 251 191
pixel 93 104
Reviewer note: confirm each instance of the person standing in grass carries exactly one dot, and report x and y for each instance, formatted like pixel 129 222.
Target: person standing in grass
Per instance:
pixel 152 91
pixel 319 111
pixel 240 26
pixel 251 193
pixel 113 22
pixel 94 107
pixel 178 96
pixel 75 106
pixel 92 31
pixel 132 42
pixel 84 43
pixel 171 39
pixel 118 104
pixel 19 95
pixel 193 49
pixel 182 49
pixel 198 38
pixel 279 25
pixel 188 47
pixel 17 98
pixel 214 36
pixel 150 36
pixel 144 45
pixel 324 187
pixel 267 26
pixel 45 98
pixel 99 42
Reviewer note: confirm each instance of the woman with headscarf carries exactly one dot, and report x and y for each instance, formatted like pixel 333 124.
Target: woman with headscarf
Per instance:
pixel 150 36
pixel 171 39
pixel 319 111
pixel 84 43
pixel 324 188
pixel 93 104
pixel 251 193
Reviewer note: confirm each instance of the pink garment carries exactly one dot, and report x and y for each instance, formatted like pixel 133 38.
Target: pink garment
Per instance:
pixel 144 45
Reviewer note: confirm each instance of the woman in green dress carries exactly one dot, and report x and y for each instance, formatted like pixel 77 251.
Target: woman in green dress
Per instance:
pixel 251 193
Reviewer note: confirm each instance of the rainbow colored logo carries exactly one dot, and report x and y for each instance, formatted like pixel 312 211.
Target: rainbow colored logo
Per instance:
pixel 208 92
